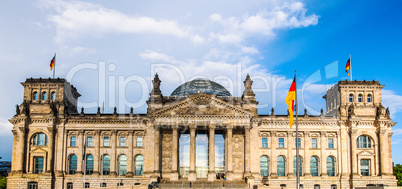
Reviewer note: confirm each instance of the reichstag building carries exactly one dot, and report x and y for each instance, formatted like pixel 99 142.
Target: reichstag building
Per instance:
pixel 199 137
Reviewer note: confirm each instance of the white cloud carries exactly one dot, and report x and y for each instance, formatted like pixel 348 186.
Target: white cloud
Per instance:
pixel 74 19
pixel 5 127
pixel 392 100
pixel 289 15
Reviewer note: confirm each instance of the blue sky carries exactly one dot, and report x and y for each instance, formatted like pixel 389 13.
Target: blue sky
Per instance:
pixel 111 50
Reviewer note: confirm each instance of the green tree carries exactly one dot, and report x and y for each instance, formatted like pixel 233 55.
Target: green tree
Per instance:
pixel 3 182
pixel 398 173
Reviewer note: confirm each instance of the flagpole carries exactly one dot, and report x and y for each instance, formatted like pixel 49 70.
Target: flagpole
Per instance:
pixel 101 184
pixel 54 68
pixel 119 161
pixel 350 58
pixel 84 157
pixel 297 139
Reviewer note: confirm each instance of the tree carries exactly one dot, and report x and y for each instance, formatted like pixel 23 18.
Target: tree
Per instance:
pixel 3 182
pixel 398 173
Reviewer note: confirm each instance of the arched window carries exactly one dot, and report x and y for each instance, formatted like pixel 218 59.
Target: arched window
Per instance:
pixel 360 98
pixel 300 166
pixel 369 98
pixel 330 166
pixel 264 166
pixel 106 165
pixel 72 164
pixel 123 165
pixel 281 166
pixel 139 165
pixel 363 141
pixel 53 96
pixel 90 165
pixel 44 95
pixel 314 166
pixel 35 95
pixel 39 139
pixel 351 98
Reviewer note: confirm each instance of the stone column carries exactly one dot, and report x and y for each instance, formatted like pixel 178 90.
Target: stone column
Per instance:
pixel 211 153
pixel 61 144
pixel 290 155
pixel 130 154
pixel 390 167
pixel 192 175
pixel 338 149
pixel 229 145
pixel 354 156
pixel 384 153
pixel 175 140
pixel 306 160
pixel 80 144
pixel 157 151
pixel 49 166
pixel 22 149
pixel 273 164
pixel 113 157
pixel 323 162
pixel 14 167
pixel 344 151
pixel 247 156
pixel 97 155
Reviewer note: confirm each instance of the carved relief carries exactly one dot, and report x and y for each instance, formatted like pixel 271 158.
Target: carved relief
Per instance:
pixel 238 151
pixel 167 144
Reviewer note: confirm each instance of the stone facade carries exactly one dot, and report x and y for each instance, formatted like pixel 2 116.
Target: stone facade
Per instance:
pixel 348 147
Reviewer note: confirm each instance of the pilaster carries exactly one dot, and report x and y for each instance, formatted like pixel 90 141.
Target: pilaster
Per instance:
pixel 211 143
pixel 192 175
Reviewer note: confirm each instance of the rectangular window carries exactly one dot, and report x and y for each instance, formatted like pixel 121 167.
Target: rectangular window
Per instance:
pixel 89 141
pixel 38 165
pixel 330 143
pixel 314 143
pixel 316 186
pixel 281 142
pixel 73 140
pixel 103 184
pixel 264 142
pixel 106 141
pixel 298 143
pixel 365 167
pixel 32 185
pixel 139 141
pixel 122 141
pixel 69 185
pixel 87 185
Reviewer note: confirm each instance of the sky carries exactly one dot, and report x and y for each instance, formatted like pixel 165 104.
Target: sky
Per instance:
pixel 111 50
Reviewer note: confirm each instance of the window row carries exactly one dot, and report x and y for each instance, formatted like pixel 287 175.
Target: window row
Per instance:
pixel 281 166
pixel 35 96
pixel 106 140
pixel 362 141
pixel 121 164
pixel 369 98
pixel 281 142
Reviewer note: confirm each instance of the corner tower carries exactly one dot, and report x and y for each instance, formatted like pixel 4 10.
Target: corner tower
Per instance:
pixel 360 98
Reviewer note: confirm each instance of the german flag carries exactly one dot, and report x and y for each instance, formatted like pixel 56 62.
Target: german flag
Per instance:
pixel 52 62
pixel 290 100
pixel 347 67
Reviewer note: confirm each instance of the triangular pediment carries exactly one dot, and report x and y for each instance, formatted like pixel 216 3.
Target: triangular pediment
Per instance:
pixel 38 151
pixel 202 104
pixel 365 153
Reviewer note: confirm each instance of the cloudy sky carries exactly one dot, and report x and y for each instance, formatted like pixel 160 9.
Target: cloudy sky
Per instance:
pixel 110 50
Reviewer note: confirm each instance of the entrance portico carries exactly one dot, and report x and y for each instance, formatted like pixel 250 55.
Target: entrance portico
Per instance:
pixel 200 152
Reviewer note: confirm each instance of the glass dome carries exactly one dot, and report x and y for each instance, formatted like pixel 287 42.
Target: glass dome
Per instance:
pixel 200 86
